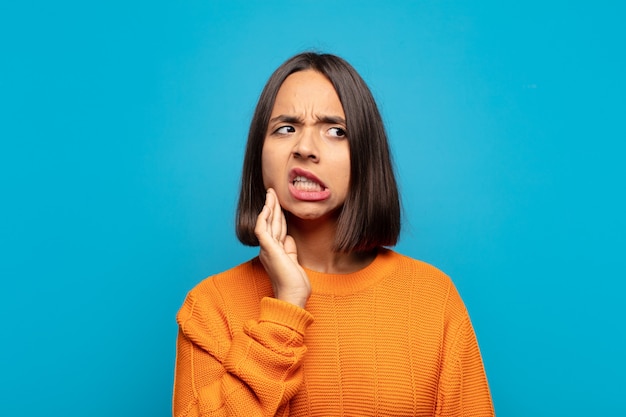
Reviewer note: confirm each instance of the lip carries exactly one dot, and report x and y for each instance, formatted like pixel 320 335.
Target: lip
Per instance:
pixel 307 195
pixel 299 172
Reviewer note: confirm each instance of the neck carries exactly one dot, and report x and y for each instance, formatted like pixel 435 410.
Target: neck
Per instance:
pixel 315 240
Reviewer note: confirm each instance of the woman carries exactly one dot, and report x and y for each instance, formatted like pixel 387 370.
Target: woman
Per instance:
pixel 325 321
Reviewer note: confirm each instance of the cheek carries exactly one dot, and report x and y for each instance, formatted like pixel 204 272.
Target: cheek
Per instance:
pixel 343 164
pixel 266 170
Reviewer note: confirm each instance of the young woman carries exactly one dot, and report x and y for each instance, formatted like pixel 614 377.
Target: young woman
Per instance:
pixel 326 320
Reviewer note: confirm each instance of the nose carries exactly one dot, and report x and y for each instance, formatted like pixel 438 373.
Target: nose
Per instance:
pixel 306 146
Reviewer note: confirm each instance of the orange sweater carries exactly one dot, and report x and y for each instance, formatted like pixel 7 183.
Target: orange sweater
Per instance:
pixel 391 339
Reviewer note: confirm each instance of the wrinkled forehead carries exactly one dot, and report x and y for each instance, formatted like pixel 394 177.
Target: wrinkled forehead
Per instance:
pixel 306 93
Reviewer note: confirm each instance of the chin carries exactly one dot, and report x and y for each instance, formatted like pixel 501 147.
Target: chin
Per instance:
pixel 314 215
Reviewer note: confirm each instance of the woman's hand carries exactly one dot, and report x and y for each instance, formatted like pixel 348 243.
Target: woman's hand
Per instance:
pixel 279 254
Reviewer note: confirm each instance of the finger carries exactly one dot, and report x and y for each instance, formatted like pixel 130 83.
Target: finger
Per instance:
pixel 262 226
pixel 277 214
pixel 261 221
pixel 269 203
pixel 280 224
pixel 283 234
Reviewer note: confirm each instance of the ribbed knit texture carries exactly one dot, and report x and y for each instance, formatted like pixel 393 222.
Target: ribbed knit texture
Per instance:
pixel 393 339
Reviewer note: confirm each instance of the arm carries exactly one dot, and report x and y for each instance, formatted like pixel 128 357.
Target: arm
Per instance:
pixel 258 371
pixel 254 374
pixel 463 389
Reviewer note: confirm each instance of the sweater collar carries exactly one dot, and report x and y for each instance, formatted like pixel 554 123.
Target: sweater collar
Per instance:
pixel 346 284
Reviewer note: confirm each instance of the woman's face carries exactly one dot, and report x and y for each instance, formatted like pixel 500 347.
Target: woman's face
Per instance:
pixel 306 156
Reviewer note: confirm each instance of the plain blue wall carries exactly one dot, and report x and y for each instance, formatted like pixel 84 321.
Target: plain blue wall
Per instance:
pixel 122 127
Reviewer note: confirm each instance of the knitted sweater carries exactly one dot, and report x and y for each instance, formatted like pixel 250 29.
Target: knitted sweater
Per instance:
pixel 393 339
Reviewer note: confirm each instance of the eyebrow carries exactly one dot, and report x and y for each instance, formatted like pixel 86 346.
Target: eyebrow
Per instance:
pixel 283 118
pixel 333 120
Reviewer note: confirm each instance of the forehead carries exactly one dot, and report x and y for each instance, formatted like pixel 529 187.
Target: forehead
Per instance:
pixel 307 90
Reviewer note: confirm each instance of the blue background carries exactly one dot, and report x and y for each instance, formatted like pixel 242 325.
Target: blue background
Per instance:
pixel 122 128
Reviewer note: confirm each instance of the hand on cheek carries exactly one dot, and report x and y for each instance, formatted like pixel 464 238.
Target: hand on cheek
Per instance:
pixel 278 254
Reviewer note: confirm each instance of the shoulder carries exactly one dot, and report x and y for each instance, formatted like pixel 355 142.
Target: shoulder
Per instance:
pixel 221 303
pixel 430 283
pixel 242 281
pixel 413 265
pixel 419 272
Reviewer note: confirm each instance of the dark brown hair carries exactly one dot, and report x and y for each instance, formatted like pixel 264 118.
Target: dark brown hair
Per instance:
pixel 370 216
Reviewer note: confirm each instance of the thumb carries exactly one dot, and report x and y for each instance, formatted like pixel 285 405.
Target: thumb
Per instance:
pixel 290 248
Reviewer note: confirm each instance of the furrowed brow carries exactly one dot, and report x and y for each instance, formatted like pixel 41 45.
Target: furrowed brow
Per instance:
pixel 331 120
pixel 283 118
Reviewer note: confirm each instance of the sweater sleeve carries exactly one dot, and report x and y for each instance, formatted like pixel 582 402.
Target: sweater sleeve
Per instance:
pixel 463 389
pixel 253 373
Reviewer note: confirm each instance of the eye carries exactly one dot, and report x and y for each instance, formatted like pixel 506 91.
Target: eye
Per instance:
pixel 283 130
pixel 337 132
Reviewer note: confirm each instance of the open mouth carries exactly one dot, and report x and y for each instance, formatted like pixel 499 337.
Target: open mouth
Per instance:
pixel 302 183
pixel 305 186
